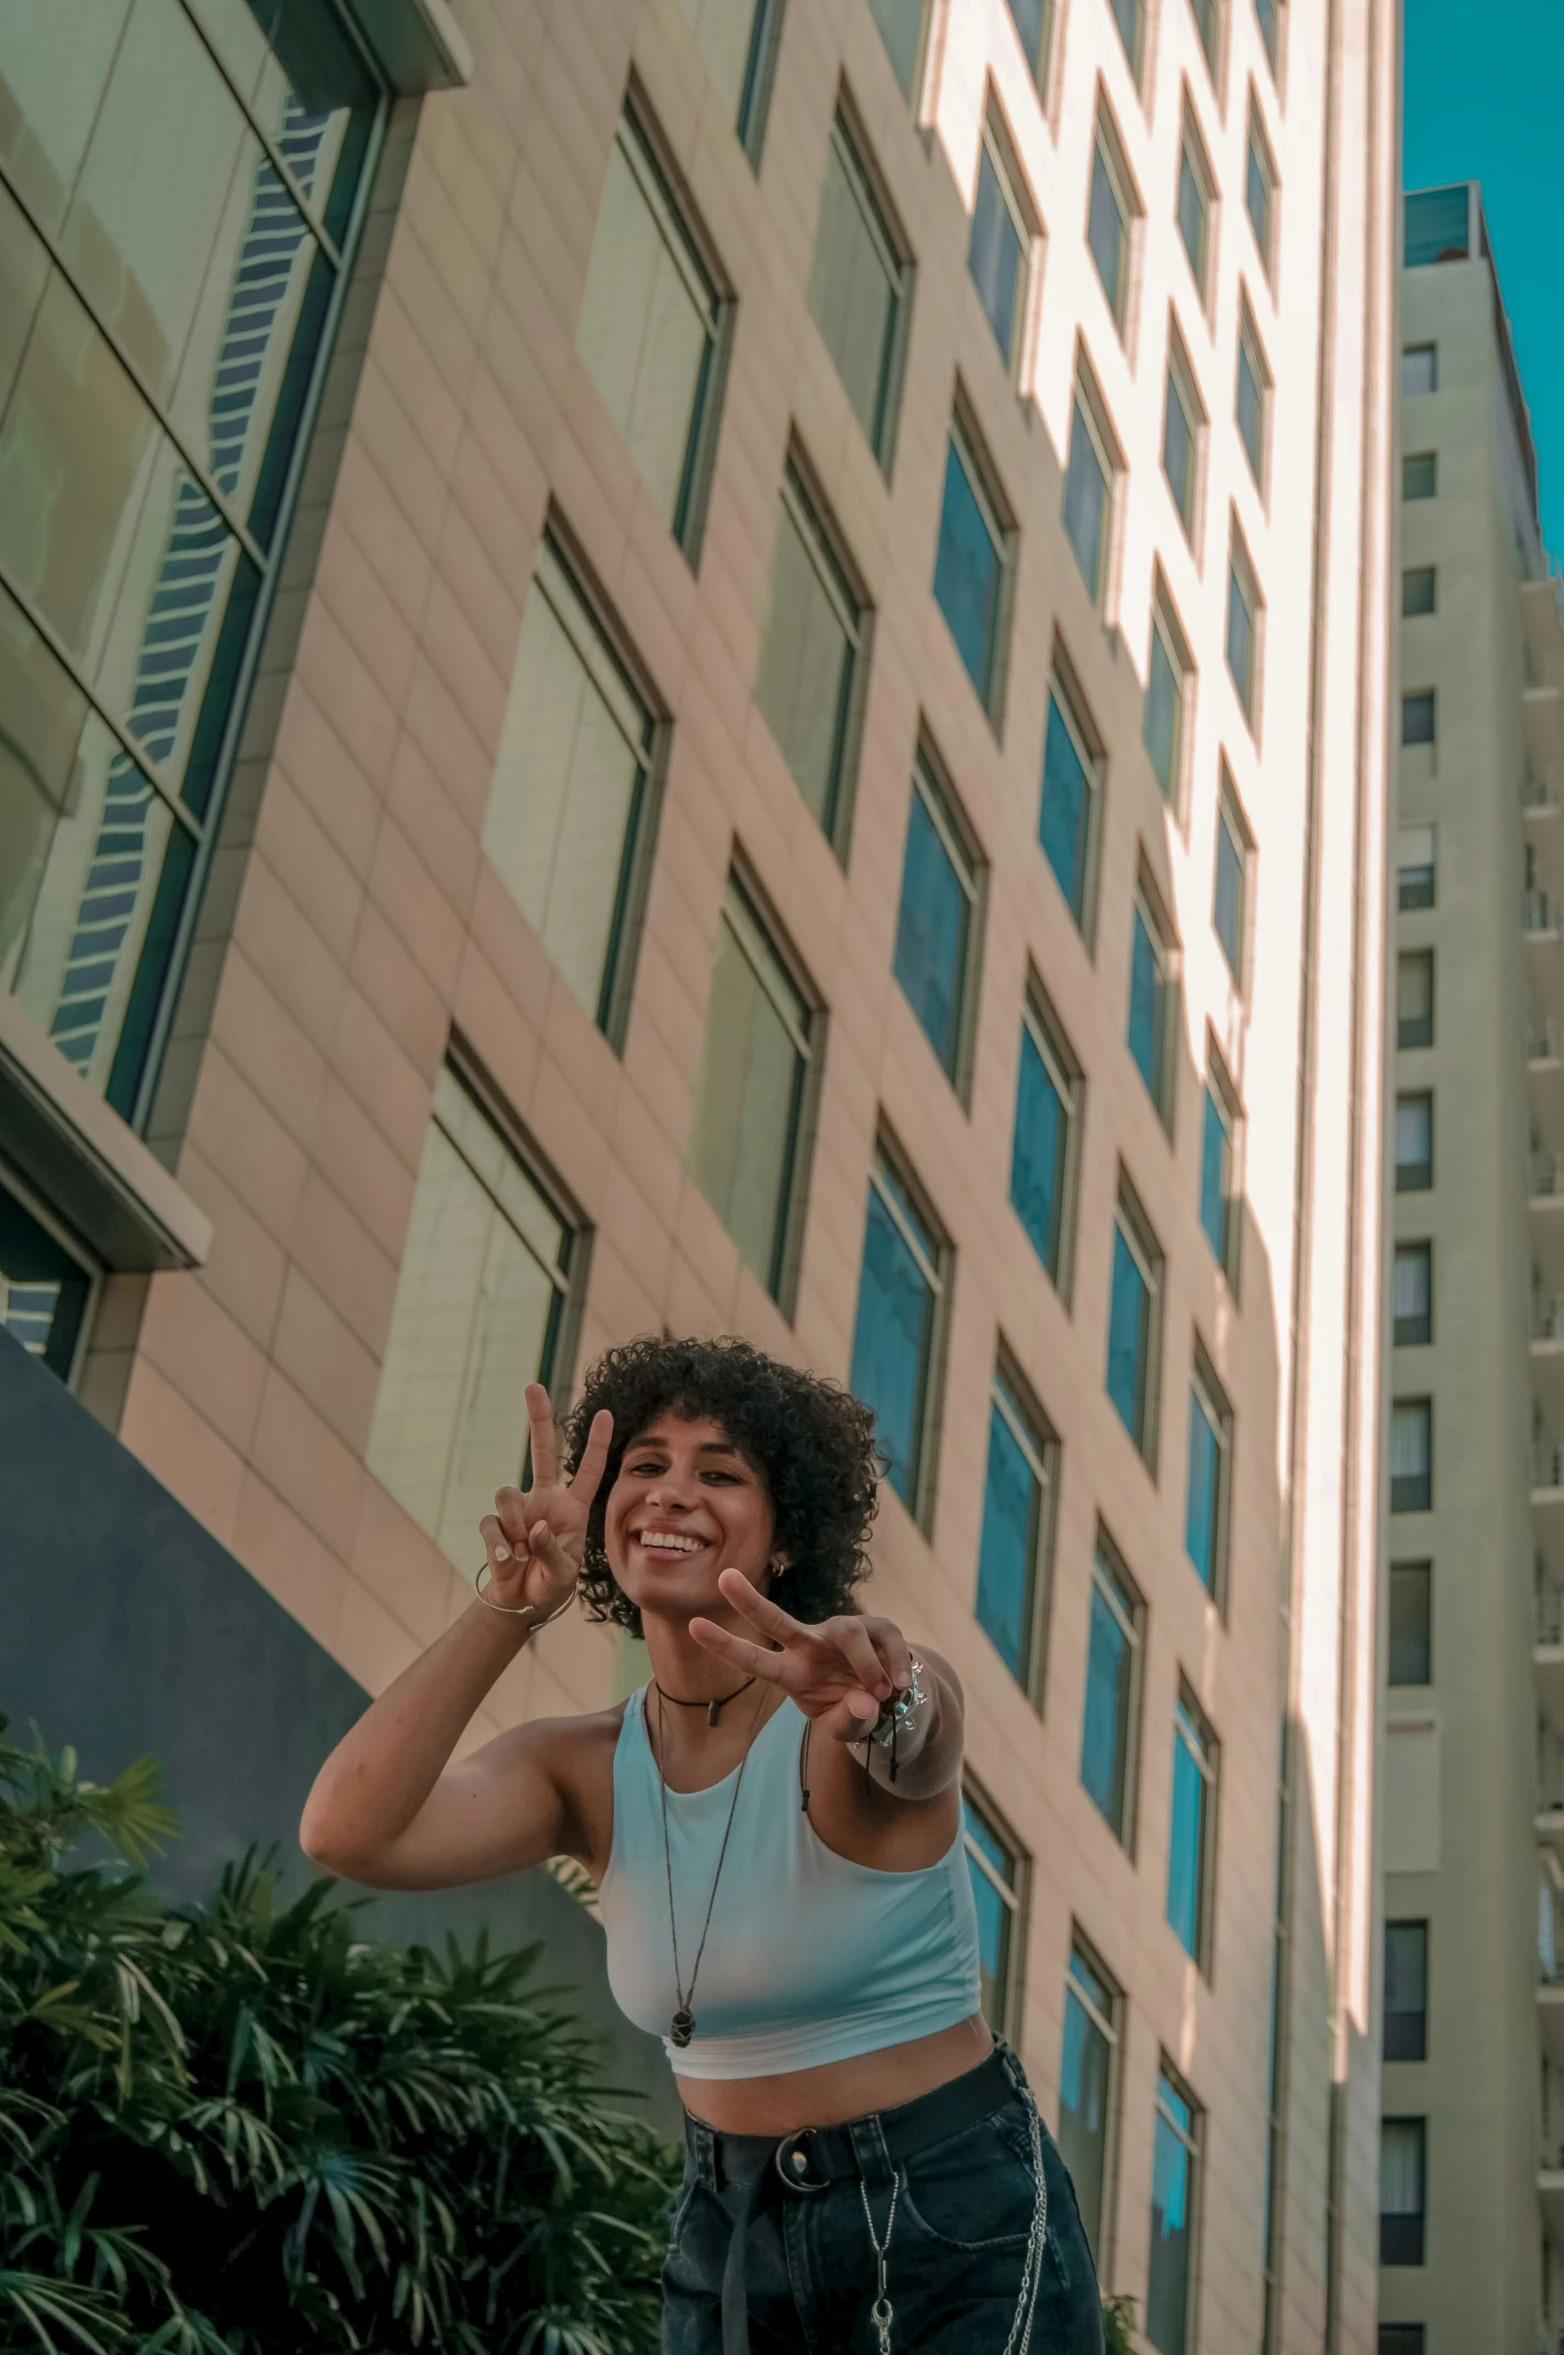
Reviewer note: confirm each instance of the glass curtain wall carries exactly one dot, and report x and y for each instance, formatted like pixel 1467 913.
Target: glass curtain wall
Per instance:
pixel 178 192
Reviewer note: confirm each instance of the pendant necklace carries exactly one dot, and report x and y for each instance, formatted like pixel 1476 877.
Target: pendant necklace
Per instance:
pixel 713 1709
pixel 682 2026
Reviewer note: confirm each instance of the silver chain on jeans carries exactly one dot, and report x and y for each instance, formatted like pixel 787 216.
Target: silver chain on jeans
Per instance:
pixel 882 2313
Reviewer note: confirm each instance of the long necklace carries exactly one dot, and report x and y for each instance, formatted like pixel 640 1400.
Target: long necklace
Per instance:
pixel 682 2026
pixel 713 1709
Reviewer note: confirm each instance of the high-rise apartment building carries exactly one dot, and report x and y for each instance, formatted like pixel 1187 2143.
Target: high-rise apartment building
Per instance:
pixel 730 674
pixel 1472 2207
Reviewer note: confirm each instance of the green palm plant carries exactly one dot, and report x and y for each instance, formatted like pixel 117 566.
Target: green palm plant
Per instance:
pixel 240 2129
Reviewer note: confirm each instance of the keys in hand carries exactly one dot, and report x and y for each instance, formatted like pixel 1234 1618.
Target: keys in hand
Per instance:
pixel 840 1672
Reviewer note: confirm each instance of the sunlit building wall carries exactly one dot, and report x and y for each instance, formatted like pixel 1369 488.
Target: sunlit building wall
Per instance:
pixel 752 696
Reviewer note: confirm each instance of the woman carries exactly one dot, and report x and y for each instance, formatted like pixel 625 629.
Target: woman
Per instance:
pixel 774 1824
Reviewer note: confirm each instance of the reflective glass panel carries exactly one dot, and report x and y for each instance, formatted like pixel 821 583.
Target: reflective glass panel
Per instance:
pixel 932 930
pixel 895 1331
pixel 806 658
pixel 1086 501
pixel 1039 1152
pixel 1129 1338
pixel 744 1134
pixel 1012 1528
pixel 1105 1729
pixel 1064 817
pixel 855 288
pixel 968 573
pixel 1085 2083
pixel 1187 1836
pixel 996 256
pixel 43 1290
pixel 1164 714
pixel 1215 1148
pixel 1105 231
pixel 1203 1506
pixel 1172 2202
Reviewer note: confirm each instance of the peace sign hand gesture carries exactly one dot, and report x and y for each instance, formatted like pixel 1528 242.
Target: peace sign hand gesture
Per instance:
pixel 535 1540
pixel 838 1672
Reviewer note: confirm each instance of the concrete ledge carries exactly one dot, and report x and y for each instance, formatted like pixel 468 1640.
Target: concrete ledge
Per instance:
pixel 80 1156
pixel 418 43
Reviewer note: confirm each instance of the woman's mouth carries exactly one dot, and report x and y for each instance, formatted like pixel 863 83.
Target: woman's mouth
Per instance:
pixel 674 1545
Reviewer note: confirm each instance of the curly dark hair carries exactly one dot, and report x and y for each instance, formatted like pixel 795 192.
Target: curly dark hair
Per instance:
pixel 810 1439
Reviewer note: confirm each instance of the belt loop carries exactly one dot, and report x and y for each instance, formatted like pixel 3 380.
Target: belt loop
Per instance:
pixel 872 2152
pixel 703 2153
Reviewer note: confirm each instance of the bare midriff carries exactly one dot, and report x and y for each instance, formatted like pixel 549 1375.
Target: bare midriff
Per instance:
pixel 841 2089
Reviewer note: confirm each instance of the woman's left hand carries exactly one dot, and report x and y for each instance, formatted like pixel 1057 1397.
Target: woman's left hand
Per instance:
pixel 839 1672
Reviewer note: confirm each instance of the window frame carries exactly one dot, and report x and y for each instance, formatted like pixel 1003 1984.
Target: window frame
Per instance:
pixel 1041 1025
pixel 1418 700
pixel 1015 1895
pixel 1151 1263
pixel 911 91
pixel 1108 146
pixel 1146 906
pixel 1409 1248
pixel 888 1158
pixel 1166 626
pixel 1418 352
pixel 1011 1396
pixel 1040 66
pixel 1422 1501
pixel 1192 2140
pixel 965 442
pixel 1126 1605
pixel 1109 2024
pixel 1421 2212
pixel 1222 1088
pixel 68 1362
pixel 1207 1395
pixel 1415 1033
pixel 1243 578
pixel 1135 57
pixel 1087 747
pixel 1272 44
pixel 1419 458
pixel 1086 406
pixel 1250 347
pixel 885 234
pixel 1192 150
pixel 841 585
pixel 1425 1183
pixel 1410 897
pixel 1420 573
pixel 1230 817
pixel 1424 1568
pixel 1205 1753
pixel 1216 14
pixel 1406 1922
pixel 1257 145
pixel 996 143
pixel 929 783
pixel 1181 386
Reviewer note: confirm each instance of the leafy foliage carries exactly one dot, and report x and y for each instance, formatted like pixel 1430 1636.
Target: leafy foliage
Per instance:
pixel 236 2129
pixel 1118 2320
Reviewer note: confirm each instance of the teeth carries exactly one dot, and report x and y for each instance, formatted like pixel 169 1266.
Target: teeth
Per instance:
pixel 660 1541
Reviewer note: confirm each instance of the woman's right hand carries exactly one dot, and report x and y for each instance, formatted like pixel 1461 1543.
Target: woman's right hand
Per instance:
pixel 535 1539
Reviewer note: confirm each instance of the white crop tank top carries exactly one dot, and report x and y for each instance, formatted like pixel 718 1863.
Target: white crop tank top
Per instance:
pixel 810 1958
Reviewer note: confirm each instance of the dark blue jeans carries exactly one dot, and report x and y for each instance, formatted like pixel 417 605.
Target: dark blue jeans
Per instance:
pixel 965 2264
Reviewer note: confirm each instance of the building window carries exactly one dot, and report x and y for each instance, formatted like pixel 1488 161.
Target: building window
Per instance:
pixel 901 29
pixel 1420 475
pixel 1412 1455
pixel 1417 717
pixel 1206 1510
pixel 1402 2195
pixel 1406 1991
pixel 200 291
pixel 1033 21
pixel 746 1137
pixel 1175 2171
pixel 1169 673
pixel 737 40
pixel 1245 612
pixel 896 1341
pixel 1401 2338
pixel 1253 406
pixel 1064 824
pixel 1415 998
pixel 936 929
pixel 1260 191
pixel 1182 420
pixel 1208 23
pixel 480 1303
pixel 1041 1159
pixel 1414 1143
pixel 1194 203
pixel 810 658
pixel 1413 1294
pixel 651 316
pixel 1088 2087
pixel 972 566
pixel 999 251
pixel 1411 1623
pixel 1012 1553
pixel 1419 590
pixel 1109 213
pixel 858 283
pixel 1152 1002
pixel 1231 888
pixel 567 825
pixel 1419 369
pixel 1219 1168
pixel 996 1867
pixel 1268 13
pixel 1089 484
pixel 1112 1691
pixel 1130 17
pixel 1132 1325
pixel 45 1290
pixel 1415 867
pixel 1192 1829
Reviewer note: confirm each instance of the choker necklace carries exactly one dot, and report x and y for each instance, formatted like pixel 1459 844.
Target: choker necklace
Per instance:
pixel 682 2025
pixel 713 1709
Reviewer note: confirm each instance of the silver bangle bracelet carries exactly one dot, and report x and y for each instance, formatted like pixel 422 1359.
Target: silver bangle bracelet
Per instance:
pixel 534 1613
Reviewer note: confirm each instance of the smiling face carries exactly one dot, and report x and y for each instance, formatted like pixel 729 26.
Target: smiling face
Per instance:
pixel 685 1505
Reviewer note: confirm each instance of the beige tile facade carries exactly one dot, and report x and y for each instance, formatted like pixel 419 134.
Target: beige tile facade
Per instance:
pixel 354 923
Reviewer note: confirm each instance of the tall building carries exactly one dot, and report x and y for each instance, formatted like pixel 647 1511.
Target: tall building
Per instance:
pixel 1472 2223
pixel 722 664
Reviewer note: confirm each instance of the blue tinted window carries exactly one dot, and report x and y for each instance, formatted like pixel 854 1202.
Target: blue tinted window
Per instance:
pixel 1086 502
pixel 1037 1159
pixel 1186 1845
pixel 1109 1674
pixel 1228 910
pixel 995 255
pixel 901 27
pixel 968 574
pixel 1129 1336
pixel 1147 1005
pixel 1202 1511
pixel 1240 640
pixel 1178 451
pixel 932 931
pixel 1214 1177
pixel 1031 20
pixel 1251 408
pixel 1012 1527
pixel 1085 2092
pixel 1192 216
pixel 1126 15
pixel 891 1346
pixel 1172 2199
pixel 993 1872
pixel 1257 195
pixel 1164 713
pixel 1065 815
pixel 1265 10
pixel 1105 231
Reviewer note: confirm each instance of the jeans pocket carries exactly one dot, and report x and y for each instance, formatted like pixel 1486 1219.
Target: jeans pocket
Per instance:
pixel 975 2190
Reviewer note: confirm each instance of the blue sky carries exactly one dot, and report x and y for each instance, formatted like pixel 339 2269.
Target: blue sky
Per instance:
pixel 1485 101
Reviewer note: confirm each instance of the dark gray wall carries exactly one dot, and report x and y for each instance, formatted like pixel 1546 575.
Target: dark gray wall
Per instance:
pixel 125 1627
